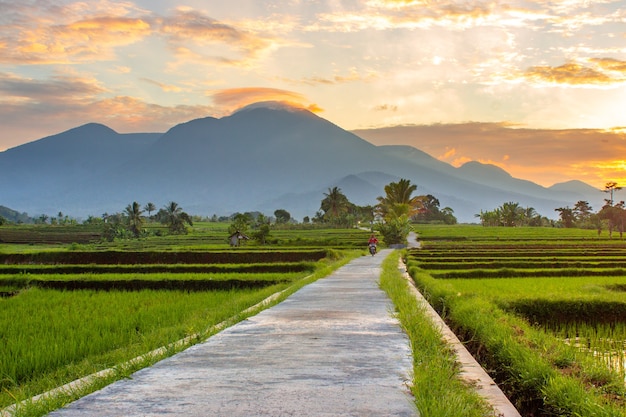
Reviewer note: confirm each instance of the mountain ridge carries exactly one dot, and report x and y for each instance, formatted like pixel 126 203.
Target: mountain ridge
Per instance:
pixel 262 157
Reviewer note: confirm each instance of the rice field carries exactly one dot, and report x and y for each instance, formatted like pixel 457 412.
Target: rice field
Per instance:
pixel 552 296
pixel 68 310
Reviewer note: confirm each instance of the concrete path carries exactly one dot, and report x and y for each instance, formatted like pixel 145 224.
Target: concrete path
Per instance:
pixel 331 349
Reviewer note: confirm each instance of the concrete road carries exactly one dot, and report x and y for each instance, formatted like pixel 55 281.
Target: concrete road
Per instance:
pixel 331 349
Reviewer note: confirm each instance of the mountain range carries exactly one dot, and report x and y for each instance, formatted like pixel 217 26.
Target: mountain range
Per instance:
pixel 263 157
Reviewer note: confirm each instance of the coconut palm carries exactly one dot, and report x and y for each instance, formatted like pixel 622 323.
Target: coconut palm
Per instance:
pixel 175 218
pixel 134 218
pixel 398 199
pixel 149 207
pixel 511 214
pixel 335 205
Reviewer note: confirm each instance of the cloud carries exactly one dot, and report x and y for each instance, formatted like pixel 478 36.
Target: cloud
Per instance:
pixel 352 76
pixel 78 32
pixel 14 88
pixel 33 109
pixel 610 64
pixel 571 74
pixel 61 35
pixel 168 88
pixel 386 107
pixel 235 98
pixel 541 155
pixel 191 32
pixel 412 14
pixel 123 114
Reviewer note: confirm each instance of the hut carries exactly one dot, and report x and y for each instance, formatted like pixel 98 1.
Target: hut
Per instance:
pixel 236 238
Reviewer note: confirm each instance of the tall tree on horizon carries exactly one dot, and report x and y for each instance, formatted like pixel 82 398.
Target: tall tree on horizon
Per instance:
pixel 396 207
pixel 149 207
pixel 399 200
pixel 134 218
pixel 335 205
pixel 610 188
pixel 175 218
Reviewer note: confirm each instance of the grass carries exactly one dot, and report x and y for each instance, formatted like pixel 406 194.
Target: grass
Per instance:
pixel 54 337
pixel 435 370
pixel 499 319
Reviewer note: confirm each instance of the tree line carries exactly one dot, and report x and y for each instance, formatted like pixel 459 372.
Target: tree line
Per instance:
pixel 392 216
pixel 612 215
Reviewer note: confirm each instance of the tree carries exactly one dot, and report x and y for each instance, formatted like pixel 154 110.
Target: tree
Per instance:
pixel 615 216
pixel 240 222
pixel 447 215
pixel 262 233
pixel 335 205
pixel 610 188
pixel 511 214
pixel 282 216
pixel 398 199
pixel 134 219
pixel 149 207
pixel 567 216
pixel 175 218
pixel 490 218
pixel 396 207
pixel 430 211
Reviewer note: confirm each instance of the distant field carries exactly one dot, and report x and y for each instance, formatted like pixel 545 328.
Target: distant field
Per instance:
pixel 543 308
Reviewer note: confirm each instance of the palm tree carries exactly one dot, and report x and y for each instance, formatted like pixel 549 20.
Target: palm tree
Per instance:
pixel 134 218
pixel 567 216
pixel 150 207
pixel 398 200
pixel 335 205
pixel 396 207
pixel 511 214
pixel 176 218
pixel 489 218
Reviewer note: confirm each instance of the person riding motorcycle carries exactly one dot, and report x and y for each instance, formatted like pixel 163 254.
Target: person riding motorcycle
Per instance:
pixel 372 244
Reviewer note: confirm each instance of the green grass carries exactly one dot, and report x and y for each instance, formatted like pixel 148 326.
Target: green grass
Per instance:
pixel 510 323
pixel 56 336
pixel 435 371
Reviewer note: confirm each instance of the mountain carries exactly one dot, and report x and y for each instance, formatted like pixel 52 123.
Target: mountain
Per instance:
pixel 13 216
pixel 263 157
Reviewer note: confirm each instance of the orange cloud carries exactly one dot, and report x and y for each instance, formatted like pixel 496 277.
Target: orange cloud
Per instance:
pixel 570 73
pixel 87 39
pixel 168 88
pixel 188 26
pixel 540 155
pixel 54 90
pixel 449 153
pixel 610 64
pixel 235 98
pixel 386 107
pixel 415 14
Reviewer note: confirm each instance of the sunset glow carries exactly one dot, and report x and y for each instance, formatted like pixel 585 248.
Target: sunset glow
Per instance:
pixel 537 88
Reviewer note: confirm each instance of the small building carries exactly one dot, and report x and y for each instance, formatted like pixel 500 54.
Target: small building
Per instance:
pixel 236 238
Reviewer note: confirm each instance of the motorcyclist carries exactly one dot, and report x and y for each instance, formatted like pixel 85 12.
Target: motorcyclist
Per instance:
pixel 372 242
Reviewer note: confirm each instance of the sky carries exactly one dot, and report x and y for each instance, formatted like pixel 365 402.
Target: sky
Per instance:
pixel 536 87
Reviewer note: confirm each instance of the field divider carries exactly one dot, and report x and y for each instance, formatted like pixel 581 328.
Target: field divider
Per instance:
pixel 82 385
pixel 471 371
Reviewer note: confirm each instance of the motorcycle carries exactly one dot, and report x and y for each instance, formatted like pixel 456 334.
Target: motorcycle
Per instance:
pixel 373 249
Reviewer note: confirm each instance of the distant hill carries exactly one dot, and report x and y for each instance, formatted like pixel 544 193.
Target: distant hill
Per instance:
pixel 261 158
pixel 14 216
